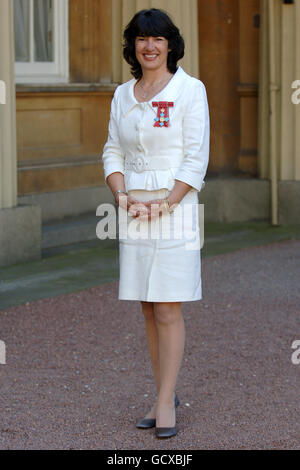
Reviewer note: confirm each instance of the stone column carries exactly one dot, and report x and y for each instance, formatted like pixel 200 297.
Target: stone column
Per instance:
pixel 279 116
pixel 20 226
pixel 8 166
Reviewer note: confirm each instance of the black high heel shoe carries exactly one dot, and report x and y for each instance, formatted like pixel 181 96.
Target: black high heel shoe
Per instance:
pixel 146 423
pixel 167 432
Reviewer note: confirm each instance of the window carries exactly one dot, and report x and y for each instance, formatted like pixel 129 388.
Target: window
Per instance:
pixel 41 41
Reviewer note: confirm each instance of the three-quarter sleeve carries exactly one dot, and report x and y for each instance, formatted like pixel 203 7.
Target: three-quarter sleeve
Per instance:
pixel 113 157
pixel 196 134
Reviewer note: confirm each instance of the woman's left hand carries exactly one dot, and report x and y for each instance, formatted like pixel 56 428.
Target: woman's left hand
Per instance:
pixel 156 207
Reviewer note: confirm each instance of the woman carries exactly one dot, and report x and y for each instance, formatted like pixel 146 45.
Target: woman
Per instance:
pixel 155 160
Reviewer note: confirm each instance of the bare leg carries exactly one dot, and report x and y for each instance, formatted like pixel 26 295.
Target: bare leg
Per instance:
pixel 171 338
pixel 152 341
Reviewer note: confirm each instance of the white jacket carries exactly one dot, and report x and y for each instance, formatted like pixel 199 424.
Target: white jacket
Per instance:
pixel 152 157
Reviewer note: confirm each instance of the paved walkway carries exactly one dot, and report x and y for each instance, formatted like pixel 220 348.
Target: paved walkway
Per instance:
pixel 78 376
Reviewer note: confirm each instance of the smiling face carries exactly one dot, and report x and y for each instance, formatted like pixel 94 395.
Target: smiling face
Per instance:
pixel 152 52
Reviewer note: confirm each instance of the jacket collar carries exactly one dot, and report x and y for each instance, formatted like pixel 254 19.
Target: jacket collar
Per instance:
pixel 169 93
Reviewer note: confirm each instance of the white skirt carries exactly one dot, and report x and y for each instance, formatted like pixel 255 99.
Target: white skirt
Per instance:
pixel 160 260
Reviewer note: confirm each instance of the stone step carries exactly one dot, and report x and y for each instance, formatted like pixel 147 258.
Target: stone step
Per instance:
pixel 69 230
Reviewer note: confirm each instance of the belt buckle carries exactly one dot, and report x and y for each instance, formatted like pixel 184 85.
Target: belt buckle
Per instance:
pixel 138 164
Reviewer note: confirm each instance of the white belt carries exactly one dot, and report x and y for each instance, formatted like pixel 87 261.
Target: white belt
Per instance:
pixel 140 163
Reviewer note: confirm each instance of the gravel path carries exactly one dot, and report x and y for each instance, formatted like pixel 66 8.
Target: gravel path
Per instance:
pixel 78 376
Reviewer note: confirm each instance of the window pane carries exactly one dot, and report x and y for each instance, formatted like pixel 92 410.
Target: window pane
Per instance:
pixel 43 30
pixel 21 25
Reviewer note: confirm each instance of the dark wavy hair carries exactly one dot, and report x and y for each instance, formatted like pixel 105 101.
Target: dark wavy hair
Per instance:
pixel 152 22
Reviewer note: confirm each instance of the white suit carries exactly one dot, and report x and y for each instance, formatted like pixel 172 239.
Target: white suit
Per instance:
pixel 152 144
